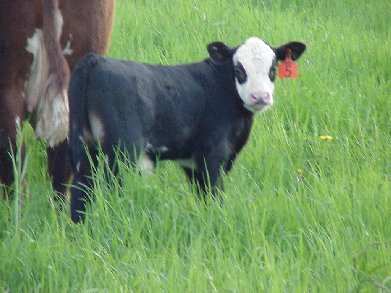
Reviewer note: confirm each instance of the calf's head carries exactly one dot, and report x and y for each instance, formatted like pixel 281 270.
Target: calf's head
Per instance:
pixel 255 66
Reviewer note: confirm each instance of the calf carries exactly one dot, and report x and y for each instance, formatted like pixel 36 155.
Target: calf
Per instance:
pixel 198 114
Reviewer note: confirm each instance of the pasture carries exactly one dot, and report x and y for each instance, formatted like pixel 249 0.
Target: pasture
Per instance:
pixel 307 206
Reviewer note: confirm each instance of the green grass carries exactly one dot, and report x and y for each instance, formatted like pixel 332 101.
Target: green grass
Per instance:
pixel 300 214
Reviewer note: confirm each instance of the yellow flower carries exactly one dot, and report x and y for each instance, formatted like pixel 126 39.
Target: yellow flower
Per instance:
pixel 326 137
pixel 299 171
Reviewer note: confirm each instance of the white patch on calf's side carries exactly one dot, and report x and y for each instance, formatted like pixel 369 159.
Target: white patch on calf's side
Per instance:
pixel 162 149
pixel 97 128
pixel 145 164
pixel 51 108
pixel 256 58
pixel 156 149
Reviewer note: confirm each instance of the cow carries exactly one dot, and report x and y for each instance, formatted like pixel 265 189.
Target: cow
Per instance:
pixel 40 43
pixel 197 114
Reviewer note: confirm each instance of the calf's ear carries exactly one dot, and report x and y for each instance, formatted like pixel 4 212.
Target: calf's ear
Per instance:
pixel 297 48
pixel 220 52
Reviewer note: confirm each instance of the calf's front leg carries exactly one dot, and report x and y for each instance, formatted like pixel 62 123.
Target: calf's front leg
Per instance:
pixel 209 170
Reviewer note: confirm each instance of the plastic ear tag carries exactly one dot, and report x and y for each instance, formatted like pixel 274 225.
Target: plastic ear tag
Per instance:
pixel 288 68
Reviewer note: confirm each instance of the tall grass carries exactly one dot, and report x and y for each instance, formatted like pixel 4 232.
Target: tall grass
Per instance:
pixel 300 213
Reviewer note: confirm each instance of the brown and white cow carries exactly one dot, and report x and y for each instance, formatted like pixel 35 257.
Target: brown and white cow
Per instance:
pixel 40 43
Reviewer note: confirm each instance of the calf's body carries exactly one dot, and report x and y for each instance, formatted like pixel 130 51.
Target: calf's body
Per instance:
pixel 191 113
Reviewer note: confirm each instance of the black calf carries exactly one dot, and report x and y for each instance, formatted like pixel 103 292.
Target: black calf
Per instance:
pixel 198 114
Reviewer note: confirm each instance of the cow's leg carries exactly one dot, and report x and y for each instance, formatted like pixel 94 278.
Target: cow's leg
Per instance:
pixel 18 23
pixel 59 169
pixel 11 115
pixel 6 166
pixel 81 185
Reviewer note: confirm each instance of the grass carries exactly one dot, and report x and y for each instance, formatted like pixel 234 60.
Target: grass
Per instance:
pixel 300 213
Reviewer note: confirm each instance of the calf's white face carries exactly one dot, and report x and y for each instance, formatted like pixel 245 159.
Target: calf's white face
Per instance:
pixel 254 63
pixel 255 70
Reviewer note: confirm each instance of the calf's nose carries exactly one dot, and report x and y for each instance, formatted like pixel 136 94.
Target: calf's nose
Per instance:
pixel 261 98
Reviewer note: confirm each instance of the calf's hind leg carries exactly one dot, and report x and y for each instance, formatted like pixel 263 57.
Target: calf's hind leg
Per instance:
pixel 82 181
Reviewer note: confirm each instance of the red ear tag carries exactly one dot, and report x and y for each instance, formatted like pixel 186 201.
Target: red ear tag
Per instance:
pixel 288 68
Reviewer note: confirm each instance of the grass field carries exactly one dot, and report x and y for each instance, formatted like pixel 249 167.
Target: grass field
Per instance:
pixel 301 213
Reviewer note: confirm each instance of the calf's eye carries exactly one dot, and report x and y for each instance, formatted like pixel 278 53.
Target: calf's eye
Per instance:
pixel 272 73
pixel 240 73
